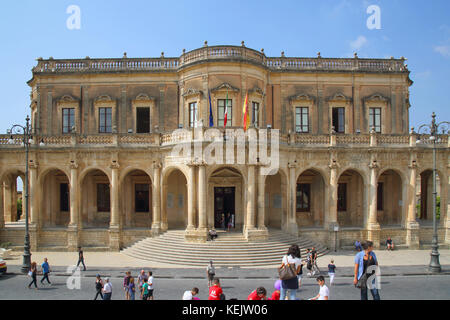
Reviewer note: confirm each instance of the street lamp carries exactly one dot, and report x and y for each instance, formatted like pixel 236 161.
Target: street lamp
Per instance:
pixel 27 141
pixel 433 131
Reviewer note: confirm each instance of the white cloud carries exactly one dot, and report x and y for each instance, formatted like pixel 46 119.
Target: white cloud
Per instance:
pixel 358 43
pixel 443 50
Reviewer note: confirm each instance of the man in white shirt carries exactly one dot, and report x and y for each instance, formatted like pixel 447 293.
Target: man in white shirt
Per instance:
pixel 324 292
pixel 189 295
pixel 107 290
pixel 150 285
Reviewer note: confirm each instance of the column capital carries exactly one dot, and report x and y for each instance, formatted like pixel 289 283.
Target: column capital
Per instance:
pixel 73 164
pixel 114 164
pixel 33 164
pixel 413 165
pixel 374 165
pixel 333 164
pixel 157 164
pixel 292 165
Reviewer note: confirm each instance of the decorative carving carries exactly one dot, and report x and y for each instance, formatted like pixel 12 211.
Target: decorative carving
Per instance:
pixel 338 97
pixel 225 86
pixel 192 92
pixel 256 91
pixel 144 97
pixel 67 98
pixel 302 96
pixel 377 97
pixel 103 98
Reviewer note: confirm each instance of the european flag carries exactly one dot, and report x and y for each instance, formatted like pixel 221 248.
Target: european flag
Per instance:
pixel 211 119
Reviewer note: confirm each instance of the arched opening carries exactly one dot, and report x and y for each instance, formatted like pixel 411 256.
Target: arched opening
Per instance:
pixel 13 196
pixel 55 200
pixel 225 199
pixel 175 196
pixel 310 199
pixel 350 199
pixel 424 197
pixel 95 200
pixel 136 200
pixel 276 201
pixel 389 198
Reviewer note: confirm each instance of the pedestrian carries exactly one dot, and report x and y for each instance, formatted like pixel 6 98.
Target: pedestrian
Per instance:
pixel 315 267
pixel 81 258
pixel 258 294
pixel 292 258
pixel 212 234
pixel 364 261
pixel 126 282
pixel 141 278
pixel 107 290
pixel 45 271
pixel 308 262
pixel 33 274
pixel 389 244
pixel 215 291
pixel 145 289
pixel 150 286
pixel 98 287
pixel 210 273
pixel 331 271
pixel 324 292
pixel 231 222
pixel 300 274
pixel 190 294
pixel 131 289
pixel 358 246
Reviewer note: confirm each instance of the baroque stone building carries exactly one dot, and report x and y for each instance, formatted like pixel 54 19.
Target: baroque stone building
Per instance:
pixel 103 173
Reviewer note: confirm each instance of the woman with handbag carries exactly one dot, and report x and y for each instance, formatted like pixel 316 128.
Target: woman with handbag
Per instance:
pixel 33 273
pixel 363 261
pixel 288 272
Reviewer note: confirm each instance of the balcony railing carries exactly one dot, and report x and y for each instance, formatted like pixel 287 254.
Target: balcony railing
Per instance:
pixel 181 136
pixel 215 53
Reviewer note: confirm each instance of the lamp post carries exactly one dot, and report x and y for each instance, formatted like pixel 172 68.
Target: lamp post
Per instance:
pixel 432 129
pixel 27 141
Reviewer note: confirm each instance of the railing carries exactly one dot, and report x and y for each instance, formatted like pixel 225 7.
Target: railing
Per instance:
pixel 179 136
pixel 216 53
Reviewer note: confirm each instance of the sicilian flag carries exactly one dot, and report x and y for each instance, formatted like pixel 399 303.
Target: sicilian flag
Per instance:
pixel 211 119
pixel 226 112
pixel 246 115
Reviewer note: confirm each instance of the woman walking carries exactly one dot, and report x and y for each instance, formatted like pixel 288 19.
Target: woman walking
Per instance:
pixel 364 260
pixel 131 289
pixel 292 258
pixel 33 275
pixel 98 287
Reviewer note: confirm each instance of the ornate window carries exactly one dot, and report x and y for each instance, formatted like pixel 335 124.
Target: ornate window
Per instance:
pixel 68 113
pixel 255 114
pixel 375 119
pixel 193 115
pixel 340 112
pixel 301 119
pixel 221 112
pixel 68 120
pixel 303 197
pixel 338 119
pixel 105 120
pixel 143 107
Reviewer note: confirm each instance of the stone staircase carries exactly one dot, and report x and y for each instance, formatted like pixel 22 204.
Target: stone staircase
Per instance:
pixel 229 249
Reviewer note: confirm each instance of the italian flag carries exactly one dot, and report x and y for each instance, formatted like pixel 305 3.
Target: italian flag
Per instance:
pixel 226 112
pixel 245 112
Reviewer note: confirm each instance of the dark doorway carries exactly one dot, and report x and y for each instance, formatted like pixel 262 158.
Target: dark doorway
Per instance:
pixel 224 206
pixel 338 117
pixel 141 198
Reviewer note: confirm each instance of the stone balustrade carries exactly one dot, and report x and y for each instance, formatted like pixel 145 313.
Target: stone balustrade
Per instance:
pixel 179 136
pixel 213 53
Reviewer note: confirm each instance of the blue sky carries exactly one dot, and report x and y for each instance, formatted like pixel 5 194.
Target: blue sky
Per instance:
pixel 417 30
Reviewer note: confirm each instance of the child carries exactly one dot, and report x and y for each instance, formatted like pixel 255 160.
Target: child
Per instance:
pixel 324 292
pixel 190 295
pixel 215 291
pixel 276 293
pixel 258 294
pixel 331 271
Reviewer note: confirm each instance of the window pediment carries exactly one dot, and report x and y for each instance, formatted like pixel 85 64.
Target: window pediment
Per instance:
pixel 224 87
pixel 302 97
pixel 377 97
pixel 338 97
pixel 144 97
pixel 191 92
pixel 256 91
pixel 67 99
pixel 104 98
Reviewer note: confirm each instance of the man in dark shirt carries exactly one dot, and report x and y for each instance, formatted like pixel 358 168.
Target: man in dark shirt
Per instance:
pixel 81 258
pixel 389 244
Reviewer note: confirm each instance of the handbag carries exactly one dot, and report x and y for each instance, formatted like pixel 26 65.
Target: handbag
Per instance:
pixel 30 273
pixel 362 282
pixel 287 271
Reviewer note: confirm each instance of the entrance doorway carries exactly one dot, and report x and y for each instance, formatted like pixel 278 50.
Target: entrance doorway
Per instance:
pixel 224 207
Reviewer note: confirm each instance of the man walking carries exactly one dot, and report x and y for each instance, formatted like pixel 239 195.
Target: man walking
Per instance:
pixel 210 273
pixel 107 290
pixel 81 258
pixel 45 271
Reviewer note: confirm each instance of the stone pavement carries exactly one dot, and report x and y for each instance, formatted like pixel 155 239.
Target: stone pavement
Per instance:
pixel 113 264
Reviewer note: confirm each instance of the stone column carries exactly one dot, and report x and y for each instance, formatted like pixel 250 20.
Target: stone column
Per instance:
pixel 412 226
pixel 156 219
pixel 34 210
pixel 202 198
pixel 164 223
pixel 191 197
pixel 292 226
pixel 114 228
pixel 373 226
pixel 332 220
pixel 263 232
pixel 72 230
pixel 251 197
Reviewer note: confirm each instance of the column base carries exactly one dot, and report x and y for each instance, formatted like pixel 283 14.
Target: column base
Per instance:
pixel 72 238
pixel 292 229
pixel 196 235
pixel 256 234
pixel 333 236
pixel 373 234
pixel 413 235
pixel 156 229
pixel 114 238
pixel 34 235
pixel 164 226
